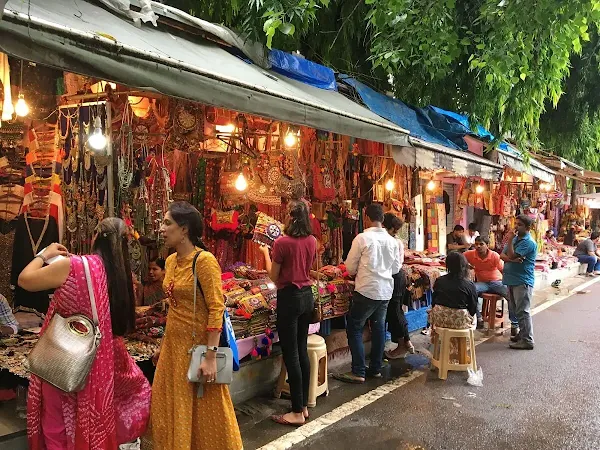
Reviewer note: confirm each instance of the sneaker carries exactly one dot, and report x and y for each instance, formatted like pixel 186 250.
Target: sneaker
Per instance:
pixel 515 338
pixel 480 324
pixel 521 345
pixel 514 331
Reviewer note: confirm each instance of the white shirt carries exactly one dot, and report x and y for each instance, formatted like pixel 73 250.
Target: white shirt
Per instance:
pixel 471 239
pixel 374 258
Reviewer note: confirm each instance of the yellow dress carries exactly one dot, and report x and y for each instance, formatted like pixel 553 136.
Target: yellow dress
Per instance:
pixel 180 420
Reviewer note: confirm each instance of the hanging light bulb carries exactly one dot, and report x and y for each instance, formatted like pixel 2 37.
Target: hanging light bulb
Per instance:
pixel 479 189
pixel 21 108
pixel 290 139
pixel 229 128
pixel 431 185
pixel 240 183
pixel 97 140
pixel 390 185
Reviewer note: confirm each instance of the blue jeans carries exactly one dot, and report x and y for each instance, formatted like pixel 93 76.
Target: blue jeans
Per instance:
pixel 361 310
pixel 592 261
pixel 519 298
pixel 494 287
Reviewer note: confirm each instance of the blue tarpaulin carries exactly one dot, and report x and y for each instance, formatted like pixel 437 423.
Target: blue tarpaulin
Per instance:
pixel 463 121
pixel 413 119
pixel 459 123
pixel 302 70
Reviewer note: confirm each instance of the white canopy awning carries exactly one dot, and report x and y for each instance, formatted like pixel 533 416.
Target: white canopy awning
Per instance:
pixel 534 168
pixel 85 38
pixel 427 155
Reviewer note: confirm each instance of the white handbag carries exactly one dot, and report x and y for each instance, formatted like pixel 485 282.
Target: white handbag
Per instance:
pixel 198 352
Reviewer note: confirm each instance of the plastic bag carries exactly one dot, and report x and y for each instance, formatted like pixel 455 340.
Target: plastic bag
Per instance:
pixel 475 378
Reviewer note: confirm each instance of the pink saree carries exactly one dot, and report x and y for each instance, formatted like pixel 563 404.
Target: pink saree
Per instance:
pixel 114 406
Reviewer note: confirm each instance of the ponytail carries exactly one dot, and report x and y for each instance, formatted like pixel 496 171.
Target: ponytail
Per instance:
pixel 111 244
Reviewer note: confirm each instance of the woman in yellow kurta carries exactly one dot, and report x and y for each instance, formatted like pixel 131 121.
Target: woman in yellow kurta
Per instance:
pixel 181 420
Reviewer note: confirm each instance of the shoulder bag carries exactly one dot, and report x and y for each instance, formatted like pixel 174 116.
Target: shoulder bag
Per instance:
pixel 225 356
pixel 66 351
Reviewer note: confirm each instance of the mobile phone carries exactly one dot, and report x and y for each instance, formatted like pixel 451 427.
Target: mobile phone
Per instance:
pixel 51 260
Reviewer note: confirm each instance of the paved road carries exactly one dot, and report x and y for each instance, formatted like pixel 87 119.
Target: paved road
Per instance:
pixel 548 398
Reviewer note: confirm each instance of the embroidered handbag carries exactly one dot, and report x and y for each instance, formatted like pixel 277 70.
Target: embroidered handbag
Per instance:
pixel 224 221
pixel 323 184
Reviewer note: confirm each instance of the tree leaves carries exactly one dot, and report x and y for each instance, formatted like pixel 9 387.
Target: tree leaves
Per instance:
pixel 506 63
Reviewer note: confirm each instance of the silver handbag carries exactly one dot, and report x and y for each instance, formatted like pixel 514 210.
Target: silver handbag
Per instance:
pixel 64 354
pixel 198 352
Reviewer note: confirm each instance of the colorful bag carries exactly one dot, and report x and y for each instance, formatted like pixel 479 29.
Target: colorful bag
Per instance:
pixel 323 184
pixel 267 230
pixel 224 221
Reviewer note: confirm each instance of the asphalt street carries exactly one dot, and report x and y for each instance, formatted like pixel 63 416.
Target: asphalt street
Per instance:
pixel 547 398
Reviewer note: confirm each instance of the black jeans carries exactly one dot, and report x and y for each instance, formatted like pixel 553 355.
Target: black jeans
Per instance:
pixel 397 324
pixel 294 314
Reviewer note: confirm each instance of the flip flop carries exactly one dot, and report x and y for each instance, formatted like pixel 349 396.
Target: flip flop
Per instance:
pixel 282 421
pixel 348 378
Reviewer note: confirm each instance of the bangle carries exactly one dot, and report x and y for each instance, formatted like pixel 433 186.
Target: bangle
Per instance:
pixel 42 257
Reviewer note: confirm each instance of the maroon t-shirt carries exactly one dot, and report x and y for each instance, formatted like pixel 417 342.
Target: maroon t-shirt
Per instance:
pixel 296 257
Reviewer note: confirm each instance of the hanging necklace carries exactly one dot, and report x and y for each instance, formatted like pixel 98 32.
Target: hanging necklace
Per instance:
pixel 35 245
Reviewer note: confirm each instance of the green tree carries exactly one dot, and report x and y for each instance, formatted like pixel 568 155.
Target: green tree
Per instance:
pixel 507 63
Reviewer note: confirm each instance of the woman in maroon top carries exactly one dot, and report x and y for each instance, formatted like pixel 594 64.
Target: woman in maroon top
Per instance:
pixel 293 256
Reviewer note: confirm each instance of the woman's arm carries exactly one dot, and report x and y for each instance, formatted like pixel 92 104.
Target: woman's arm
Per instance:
pixel 273 268
pixel 212 291
pixel 37 277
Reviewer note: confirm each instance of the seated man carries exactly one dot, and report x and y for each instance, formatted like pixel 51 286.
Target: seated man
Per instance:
pixel 550 240
pixel 488 273
pixel 8 323
pixel 455 241
pixel 587 253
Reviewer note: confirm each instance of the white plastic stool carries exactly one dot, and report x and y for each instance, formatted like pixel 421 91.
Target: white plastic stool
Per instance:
pixel 583 268
pixel 441 350
pixel 317 355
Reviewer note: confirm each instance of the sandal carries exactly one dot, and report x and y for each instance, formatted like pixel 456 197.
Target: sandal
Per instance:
pixel 390 355
pixel 282 421
pixel 349 377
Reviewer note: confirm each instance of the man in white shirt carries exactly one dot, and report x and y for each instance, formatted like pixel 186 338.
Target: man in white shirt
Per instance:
pixel 471 234
pixel 373 258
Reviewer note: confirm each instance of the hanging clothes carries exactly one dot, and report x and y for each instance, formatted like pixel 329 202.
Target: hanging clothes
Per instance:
pixel 7 107
pixel 31 236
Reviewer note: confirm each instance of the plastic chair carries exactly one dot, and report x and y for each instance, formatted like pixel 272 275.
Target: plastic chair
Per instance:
pixel 319 385
pixel 489 311
pixel 441 351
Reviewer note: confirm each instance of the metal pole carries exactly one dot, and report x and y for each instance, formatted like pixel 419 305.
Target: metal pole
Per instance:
pixel 109 169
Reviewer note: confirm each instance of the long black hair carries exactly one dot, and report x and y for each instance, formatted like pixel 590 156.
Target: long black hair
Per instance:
pixel 457 265
pixel 299 225
pixel 185 215
pixel 111 244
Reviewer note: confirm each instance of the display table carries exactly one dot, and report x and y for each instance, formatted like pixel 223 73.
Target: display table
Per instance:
pixel 14 351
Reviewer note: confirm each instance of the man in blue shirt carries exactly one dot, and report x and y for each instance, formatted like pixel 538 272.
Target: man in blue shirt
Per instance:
pixel 519 258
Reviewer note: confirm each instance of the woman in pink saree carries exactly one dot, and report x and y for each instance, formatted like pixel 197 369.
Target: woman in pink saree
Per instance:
pixel 114 406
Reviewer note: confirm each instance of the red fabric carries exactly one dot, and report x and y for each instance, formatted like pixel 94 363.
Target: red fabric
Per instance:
pixel 323 184
pixel 296 257
pixel 114 406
